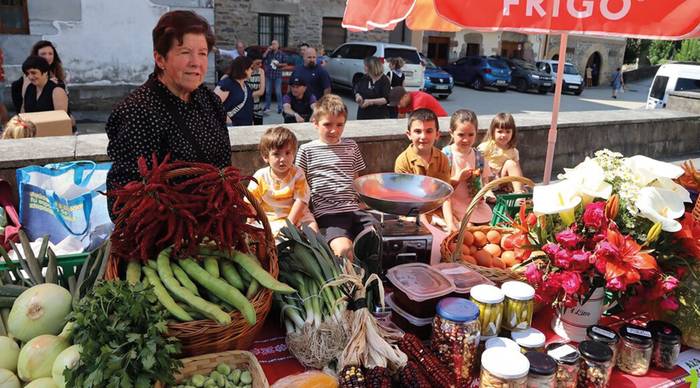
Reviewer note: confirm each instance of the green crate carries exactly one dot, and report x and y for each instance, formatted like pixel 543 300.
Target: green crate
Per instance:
pixel 507 206
pixel 69 264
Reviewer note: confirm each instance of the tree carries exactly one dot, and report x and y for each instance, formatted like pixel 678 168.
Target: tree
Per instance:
pixel 689 51
pixel 661 51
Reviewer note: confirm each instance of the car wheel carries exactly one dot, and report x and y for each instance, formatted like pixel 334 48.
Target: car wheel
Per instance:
pixel 522 85
pixel 442 97
pixel 578 92
pixel 542 91
pixel 478 83
pixel 502 89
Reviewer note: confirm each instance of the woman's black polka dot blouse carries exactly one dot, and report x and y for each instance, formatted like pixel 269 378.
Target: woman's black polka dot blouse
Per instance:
pixel 141 124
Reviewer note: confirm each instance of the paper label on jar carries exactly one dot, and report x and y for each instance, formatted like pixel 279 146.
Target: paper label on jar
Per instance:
pixel 642 333
pixel 561 352
pixel 603 332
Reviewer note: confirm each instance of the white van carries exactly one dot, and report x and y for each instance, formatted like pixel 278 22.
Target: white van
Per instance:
pixel 671 77
pixel 573 82
pixel 346 64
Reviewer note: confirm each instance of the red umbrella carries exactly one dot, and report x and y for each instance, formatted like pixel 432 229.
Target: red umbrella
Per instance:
pixel 651 19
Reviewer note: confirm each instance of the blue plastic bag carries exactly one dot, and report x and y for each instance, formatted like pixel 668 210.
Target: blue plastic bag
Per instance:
pixel 63 200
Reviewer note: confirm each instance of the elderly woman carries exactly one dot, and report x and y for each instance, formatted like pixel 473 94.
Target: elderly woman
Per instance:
pixel 235 93
pixel 41 94
pixel 372 91
pixel 173 112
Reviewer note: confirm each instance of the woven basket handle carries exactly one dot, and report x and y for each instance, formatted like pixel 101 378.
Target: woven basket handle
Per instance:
pixel 456 255
pixel 696 210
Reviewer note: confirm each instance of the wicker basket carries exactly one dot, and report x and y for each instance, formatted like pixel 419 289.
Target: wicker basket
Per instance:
pixel 696 209
pixel 207 336
pixel 206 363
pixel 497 275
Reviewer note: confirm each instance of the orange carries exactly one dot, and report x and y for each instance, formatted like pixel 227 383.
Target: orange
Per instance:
pixel 493 249
pixel 480 238
pixel 493 236
pixel 508 258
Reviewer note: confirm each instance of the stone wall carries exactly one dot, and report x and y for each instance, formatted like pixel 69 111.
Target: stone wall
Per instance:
pixel 580 48
pixel 684 102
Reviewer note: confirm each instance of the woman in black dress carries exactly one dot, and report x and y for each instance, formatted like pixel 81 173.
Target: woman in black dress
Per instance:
pixel 396 78
pixel 41 94
pixel 46 50
pixel 372 91
pixel 235 93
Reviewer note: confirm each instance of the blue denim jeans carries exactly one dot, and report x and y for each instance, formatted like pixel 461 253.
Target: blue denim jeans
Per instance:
pixel 278 92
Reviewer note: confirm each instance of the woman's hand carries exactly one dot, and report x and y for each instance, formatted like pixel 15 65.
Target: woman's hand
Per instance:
pixel 365 103
pixel 358 99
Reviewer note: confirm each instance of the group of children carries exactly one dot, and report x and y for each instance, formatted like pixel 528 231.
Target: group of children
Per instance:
pixel 318 189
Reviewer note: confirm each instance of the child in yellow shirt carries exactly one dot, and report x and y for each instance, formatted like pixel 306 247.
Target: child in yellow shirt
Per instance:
pixel 498 148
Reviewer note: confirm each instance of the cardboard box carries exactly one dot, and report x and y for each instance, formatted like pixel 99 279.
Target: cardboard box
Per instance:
pixel 50 123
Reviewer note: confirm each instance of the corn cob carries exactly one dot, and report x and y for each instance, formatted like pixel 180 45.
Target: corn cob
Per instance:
pixel 438 373
pixel 351 377
pixel 378 377
pixel 412 376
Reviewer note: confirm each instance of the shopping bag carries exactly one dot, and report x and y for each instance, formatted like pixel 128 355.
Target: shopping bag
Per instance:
pixel 9 219
pixel 65 200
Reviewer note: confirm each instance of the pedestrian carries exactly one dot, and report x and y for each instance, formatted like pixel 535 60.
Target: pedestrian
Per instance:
pixel 396 78
pixel 41 94
pixel 589 76
pixel 372 91
pixel 235 93
pixel 256 82
pixel 273 57
pixel 233 54
pixel 322 59
pixel 298 60
pixel 406 102
pixel 316 78
pixel 298 103
pixel 617 82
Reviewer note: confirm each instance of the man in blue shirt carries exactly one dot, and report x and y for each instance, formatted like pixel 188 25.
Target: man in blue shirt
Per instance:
pixel 316 78
pixel 273 58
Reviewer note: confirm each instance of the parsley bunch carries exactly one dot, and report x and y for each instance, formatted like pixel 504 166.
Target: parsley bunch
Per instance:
pixel 122 331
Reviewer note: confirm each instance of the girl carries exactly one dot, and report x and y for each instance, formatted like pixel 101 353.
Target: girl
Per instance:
pixel 18 128
pixel 396 78
pixel 468 172
pixel 499 149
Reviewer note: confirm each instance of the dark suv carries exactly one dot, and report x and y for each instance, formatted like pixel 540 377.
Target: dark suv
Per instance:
pixel 480 72
pixel 525 76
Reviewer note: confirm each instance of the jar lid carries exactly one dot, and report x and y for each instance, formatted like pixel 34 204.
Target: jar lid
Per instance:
pixel 665 332
pixel 595 351
pixel 636 334
pixel 500 342
pixel 563 353
pixel 530 338
pixel 485 293
pixel 505 363
pixel 541 364
pixel 518 290
pixel 603 334
pixel 457 310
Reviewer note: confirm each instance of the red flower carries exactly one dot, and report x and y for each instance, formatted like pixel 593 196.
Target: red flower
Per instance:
pixel 670 303
pixel 624 259
pixel 689 235
pixel 568 238
pixel 594 215
pixel 551 249
pixel 562 259
pixel 580 260
pixel 663 287
pixel 533 274
pixel 570 282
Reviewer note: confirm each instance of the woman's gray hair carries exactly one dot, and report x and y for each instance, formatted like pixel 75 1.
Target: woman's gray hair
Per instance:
pixel 375 68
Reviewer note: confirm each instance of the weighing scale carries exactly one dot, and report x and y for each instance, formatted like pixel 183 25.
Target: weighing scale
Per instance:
pixel 393 197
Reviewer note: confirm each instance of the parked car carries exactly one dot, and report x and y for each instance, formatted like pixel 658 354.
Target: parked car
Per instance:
pixel 437 82
pixel 573 81
pixel 525 76
pixel 679 76
pixel 480 72
pixel 346 63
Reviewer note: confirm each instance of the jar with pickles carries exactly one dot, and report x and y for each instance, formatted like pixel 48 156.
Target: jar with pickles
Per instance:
pixel 595 367
pixel 567 359
pixel 605 335
pixel 455 337
pixel 529 340
pixel 518 305
pixel 636 347
pixel 489 299
pixel 503 368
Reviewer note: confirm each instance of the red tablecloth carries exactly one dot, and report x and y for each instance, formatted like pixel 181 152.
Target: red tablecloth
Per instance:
pixel 275 359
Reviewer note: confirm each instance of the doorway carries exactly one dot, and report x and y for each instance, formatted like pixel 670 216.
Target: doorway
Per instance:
pixel 439 49
pixel 594 62
pixel 511 49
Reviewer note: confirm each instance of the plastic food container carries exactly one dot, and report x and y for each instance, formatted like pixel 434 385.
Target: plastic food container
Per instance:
pixel 455 337
pixel 667 344
pixel 567 358
pixel 518 305
pixel 489 299
pixel 596 366
pixel 421 327
pixel 605 335
pixel 543 370
pixel 463 278
pixel 418 288
pixel 501 367
pixel 636 348
pixel 529 340
pixel 501 342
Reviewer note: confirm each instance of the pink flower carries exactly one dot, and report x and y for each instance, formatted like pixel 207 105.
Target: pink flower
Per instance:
pixel 594 215
pixel 533 274
pixel 607 251
pixel 615 284
pixel 669 284
pixel 562 259
pixel 570 282
pixel 568 238
pixel 580 260
pixel 551 249
pixel 670 303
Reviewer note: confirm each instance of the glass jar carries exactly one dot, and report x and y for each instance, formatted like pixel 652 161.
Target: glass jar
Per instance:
pixel 455 337
pixel 543 370
pixel 489 299
pixel 503 368
pixel 667 344
pixel 567 358
pixel 518 305
pixel 529 340
pixel 605 335
pixel 635 351
pixel 595 367
pixel 500 342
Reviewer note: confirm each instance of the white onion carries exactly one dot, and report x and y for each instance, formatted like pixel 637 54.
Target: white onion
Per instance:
pixel 9 351
pixel 68 358
pixel 37 356
pixel 8 379
pixel 44 382
pixel 39 310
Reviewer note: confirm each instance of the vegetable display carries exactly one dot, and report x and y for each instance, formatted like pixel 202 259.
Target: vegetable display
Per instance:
pixel 223 377
pixel 39 310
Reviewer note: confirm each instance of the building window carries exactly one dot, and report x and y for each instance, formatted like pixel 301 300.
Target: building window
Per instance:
pixel 332 33
pixel 272 27
pixel 13 17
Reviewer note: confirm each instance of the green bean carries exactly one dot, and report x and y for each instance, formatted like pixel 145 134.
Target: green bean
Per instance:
pixel 259 273
pixel 163 297
pixel 181 277
pixel 252 289
pixel 246 277
pixel 207 309
pixel 211 264
pixel 152 264
pixel 133 272
pixel 220 288
pixel 229 272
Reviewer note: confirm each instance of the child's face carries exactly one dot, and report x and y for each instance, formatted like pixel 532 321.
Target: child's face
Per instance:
pixel 281 159
pixel 503 136
pixel 330 128
pixel 464 135
pixel 423 135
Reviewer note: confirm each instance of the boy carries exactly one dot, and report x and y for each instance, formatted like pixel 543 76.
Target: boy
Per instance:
pixel 281 187
pixel 331 164
pixel 422 157
pixel 407 102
